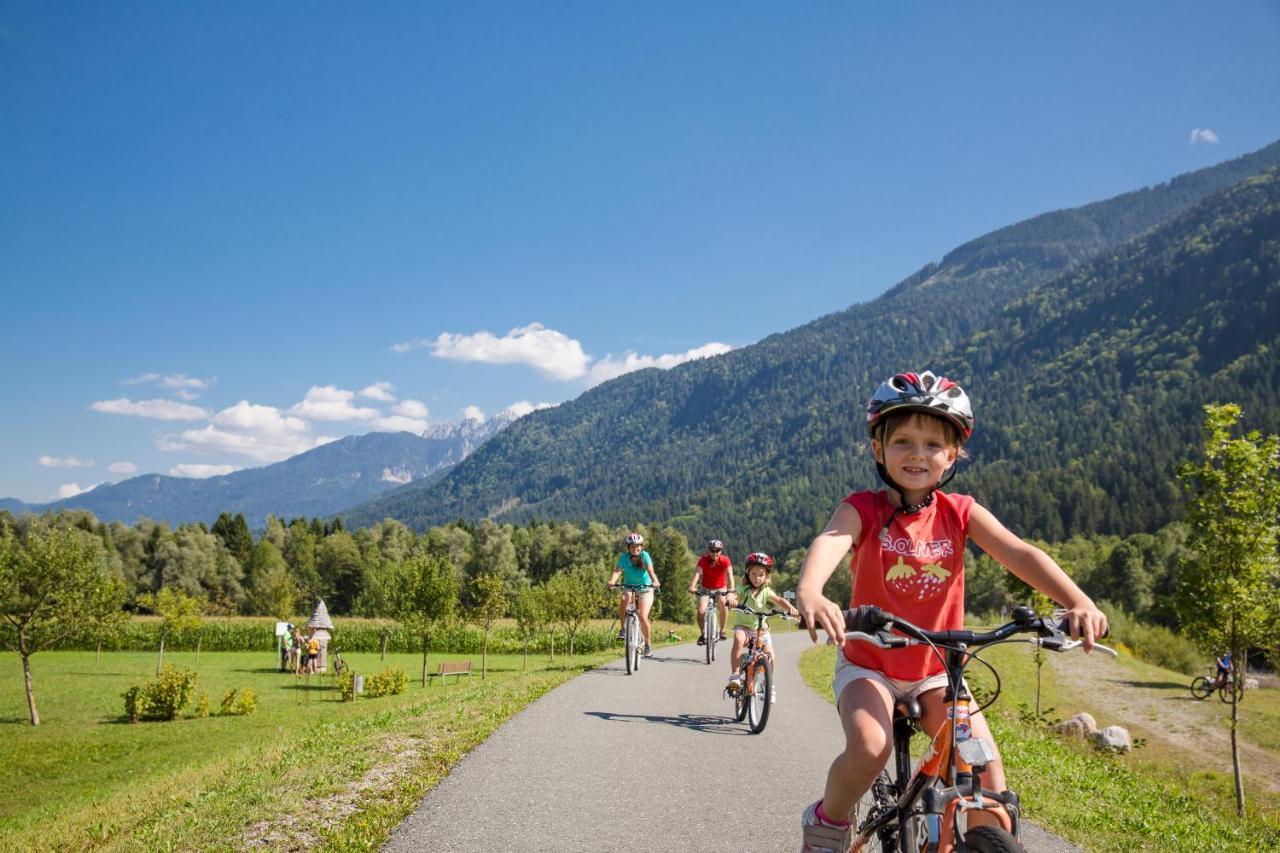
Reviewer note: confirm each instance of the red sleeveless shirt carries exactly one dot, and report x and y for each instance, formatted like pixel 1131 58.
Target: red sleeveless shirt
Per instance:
pixel 915 570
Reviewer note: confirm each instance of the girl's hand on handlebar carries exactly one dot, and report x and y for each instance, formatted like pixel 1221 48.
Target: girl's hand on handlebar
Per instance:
pixel 1087 624
pixel 817 611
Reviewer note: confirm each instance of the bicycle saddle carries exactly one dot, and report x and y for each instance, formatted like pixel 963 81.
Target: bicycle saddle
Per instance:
pixel 907 709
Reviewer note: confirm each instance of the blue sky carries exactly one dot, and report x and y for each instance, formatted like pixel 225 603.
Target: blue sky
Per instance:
pixel 220 223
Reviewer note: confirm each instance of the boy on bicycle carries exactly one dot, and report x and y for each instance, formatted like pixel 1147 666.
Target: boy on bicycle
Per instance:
pixel 908 558
pixel 1223 664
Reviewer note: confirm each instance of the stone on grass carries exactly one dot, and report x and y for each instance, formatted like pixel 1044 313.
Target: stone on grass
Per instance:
pixel 1081 725
pixel 1112 739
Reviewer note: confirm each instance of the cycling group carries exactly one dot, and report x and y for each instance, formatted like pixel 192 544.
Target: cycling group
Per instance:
pixel 712 581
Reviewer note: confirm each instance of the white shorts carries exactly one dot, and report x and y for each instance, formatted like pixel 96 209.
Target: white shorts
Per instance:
pixel 751 634
pixel 900 690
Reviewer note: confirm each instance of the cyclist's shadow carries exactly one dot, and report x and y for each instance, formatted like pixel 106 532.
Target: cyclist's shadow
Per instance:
pixel 693 722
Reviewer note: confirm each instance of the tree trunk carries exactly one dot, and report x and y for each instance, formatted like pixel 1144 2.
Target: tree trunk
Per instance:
pixel 160 660
pixel 484 657
pixel 385 637
pixel 31 695
pixel 552 635
pixel 1237 684
pixel 525 667
pixel 98 658
pixel 199 642
pixel 572 635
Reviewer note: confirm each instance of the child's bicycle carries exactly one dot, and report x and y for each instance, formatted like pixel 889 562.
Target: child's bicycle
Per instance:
pixel 755 691
pixel 633 639
pixel 1202 686
pixel 711 619
pixel 912 813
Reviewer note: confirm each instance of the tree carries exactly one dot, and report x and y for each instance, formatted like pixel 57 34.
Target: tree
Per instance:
pixel 383 581
pixel 235 535
pixel 530 617
pixel 488 604
pixel 52 581
pixel 1230 589
pixel 274 592
pixel 428 599
pixel 179 613
pixel 574 597
pixel 341 569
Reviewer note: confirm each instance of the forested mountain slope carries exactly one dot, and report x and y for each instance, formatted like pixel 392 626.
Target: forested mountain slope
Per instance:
pixel 756 446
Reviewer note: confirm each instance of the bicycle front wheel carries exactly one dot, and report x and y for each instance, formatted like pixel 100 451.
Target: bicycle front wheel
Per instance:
pixel 758 699
pixel 881 798
pixel 709 630
pixel 1225 692
pixel 1201 687
pixel 629 643
pixel 991 839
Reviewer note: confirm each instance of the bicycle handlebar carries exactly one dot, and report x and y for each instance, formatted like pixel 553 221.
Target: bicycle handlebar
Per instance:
pixel 871 624
pixel 766 613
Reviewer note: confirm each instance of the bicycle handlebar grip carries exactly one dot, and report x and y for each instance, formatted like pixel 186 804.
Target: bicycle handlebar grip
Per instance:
pixel 866 618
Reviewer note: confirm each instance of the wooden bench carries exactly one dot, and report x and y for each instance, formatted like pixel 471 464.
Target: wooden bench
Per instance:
pixel 457 667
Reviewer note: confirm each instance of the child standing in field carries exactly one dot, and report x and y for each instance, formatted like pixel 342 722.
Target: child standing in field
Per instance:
pixel 908 558
pixel 759 596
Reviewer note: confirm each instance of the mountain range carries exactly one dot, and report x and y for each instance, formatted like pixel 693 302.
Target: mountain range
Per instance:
pixel 1088 338
pixel 320 482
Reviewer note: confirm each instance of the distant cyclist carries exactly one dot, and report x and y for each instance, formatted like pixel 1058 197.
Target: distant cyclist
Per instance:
pixel 714 574
pixel 1223 663
pixel 636 569
pixel 759 596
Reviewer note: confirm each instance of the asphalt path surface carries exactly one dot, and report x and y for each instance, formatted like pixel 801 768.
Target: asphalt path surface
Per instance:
pixel 648 762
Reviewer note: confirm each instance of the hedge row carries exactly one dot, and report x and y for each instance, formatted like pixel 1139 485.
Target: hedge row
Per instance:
pixel 247 634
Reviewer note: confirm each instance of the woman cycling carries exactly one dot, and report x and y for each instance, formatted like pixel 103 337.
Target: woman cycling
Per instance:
pixel 636 568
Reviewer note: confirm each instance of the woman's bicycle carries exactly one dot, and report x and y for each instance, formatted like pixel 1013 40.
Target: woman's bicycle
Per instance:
pixel 633 639
pixel 755 691
pixel 912 813
pixel 1202 686
pixel 711 619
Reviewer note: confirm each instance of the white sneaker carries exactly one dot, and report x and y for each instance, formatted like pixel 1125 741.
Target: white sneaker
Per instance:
pixel 823 837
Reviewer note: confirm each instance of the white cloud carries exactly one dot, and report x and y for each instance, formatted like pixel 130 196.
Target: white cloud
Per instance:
pixel 164 410
pixel 200 471
pixel 1203 134
pixel 64 462
pixel 262 433
pixel 328 403
pixel 610 367
pixel 379 391
pixel 551 353
pixel 70 490
pixel 523 407
pixel 183 386
pixel 410 409
pixel 122 468
pixel 473 413
pixel 416 343
pixel 400 423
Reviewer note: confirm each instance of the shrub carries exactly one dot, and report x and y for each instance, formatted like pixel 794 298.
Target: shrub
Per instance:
pixel 347 684
pixel 237 703
pixel 389 682
pixel 202 705
pixel 162 697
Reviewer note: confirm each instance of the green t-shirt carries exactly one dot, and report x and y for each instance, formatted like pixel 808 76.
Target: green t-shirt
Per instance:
pixel 757 599
pixel 630 574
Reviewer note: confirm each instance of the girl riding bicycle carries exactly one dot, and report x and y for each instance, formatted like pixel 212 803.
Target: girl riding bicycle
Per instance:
pixel 636 569
pixel 908 558
pixel 759 596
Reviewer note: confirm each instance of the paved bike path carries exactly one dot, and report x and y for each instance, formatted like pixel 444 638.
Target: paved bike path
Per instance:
pixel 648 762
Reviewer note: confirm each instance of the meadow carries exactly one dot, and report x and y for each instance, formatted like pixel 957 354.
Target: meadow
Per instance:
pixel 304 770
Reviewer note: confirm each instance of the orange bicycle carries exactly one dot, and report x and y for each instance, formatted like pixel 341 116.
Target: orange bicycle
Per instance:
pixel 925 811
pixel 755 695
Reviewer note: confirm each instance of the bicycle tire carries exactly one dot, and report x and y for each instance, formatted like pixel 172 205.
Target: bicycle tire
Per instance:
pixel 990 839
pixel 1201 687
pixel 629 642
pixel 758 703
pixel 1225 691
pixel 740 704
pixel 708 630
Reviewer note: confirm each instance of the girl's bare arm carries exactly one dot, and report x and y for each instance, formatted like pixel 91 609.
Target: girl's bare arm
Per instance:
pixel 1037 569
pixel 824 554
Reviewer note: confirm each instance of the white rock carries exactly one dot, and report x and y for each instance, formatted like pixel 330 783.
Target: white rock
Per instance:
pixel 1113 739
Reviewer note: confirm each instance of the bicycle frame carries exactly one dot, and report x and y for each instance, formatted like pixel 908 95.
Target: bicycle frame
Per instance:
pixel 753 652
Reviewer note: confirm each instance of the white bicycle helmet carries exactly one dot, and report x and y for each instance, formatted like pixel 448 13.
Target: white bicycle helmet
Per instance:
pixel 634 539
pixel 715 545
pixel 922 392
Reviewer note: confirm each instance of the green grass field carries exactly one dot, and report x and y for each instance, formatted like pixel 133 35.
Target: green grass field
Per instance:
pixel 1149 800
pixel 306 770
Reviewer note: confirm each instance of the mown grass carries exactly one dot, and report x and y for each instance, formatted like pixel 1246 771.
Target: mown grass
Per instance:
pixel 1144 801
pixel 305 771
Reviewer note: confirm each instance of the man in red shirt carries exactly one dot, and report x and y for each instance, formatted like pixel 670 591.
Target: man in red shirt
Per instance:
pixel 714 572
